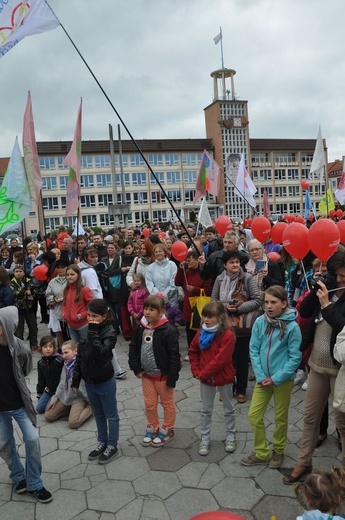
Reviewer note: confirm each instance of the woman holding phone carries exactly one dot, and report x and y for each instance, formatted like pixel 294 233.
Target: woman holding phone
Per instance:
pixel 265 271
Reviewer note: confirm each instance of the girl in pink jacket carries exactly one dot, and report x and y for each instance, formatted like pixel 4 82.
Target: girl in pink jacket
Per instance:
pixel 137 299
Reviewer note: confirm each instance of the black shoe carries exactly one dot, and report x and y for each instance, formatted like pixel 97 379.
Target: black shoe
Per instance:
pixel 42 495
pixel 320 441
pixel 109 454
pixel 101 446
pixel 20 487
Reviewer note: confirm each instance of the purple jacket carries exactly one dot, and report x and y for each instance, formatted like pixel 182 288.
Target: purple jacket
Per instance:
pixel 173 314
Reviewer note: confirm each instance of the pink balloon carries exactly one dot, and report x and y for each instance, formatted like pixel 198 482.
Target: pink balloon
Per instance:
pixel 295 240
pixel 261 228
pixel 324 238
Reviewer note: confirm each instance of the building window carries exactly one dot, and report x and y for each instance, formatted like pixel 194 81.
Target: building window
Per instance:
pixel 141 216
pixel 171 159
pixel 190 176
pixel 189 195
pixel 102 161
pixel 49 183
pixel 86 181
pixel 86 161
pixel 125 179
pixel 140 197
pixel 138 179
pixel 282 209
pixel 88 201
pixel 269 191
pixel 306 157
pixel 63 182
pixel 124 159
pixel 174 195
pixel 160 177
pixel 103 179
pixel 159 216
pixel 52 223
pixel 259 158
pixel 155 159
pixel 189 159
pixel 106 220
pixel 280 175
pixel 294 191
pixel 89 220
pixel 136 160
pixel 284 158
pixel 47 163
pixel 68 222
pixel 173 177
pixel 63 204
pixel 128 198
pixel 60 161
pixel 280 191
pixel 157 197
pixel 105 200
pixel 305 173
pixel 292 174
pixel 50 203
pixel 294 207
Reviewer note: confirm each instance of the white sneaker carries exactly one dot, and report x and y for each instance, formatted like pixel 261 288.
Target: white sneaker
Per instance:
pixel 301 376
pixel 186 358
pixel 305 384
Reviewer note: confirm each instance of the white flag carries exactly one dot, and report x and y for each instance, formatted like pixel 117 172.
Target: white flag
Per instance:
pixel 244 185
pixel 318 162
pixel 20 19
pixel 78 229
pixel 182 215
pixel 204 215
pixel 340 192
pixel 217 38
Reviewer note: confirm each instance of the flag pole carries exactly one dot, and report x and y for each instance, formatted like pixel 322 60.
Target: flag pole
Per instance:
pixel 221 47
pixel 127 130
pixel 243 196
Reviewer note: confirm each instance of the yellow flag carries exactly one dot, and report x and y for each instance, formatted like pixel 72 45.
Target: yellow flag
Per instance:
pixel 326 203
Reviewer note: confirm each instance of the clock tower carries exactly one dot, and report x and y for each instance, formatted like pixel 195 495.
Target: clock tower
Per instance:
pixel 227 125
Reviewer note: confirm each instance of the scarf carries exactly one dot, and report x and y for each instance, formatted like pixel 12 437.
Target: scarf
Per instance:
pixel 273 323
pixel 228 286
pixel 69 368
pixel 146 260
pixel 207 336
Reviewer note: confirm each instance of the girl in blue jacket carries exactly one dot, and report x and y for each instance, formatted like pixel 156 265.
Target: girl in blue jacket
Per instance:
pixel 275 356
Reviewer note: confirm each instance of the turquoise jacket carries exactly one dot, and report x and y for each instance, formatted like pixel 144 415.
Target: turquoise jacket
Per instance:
pixel 273 357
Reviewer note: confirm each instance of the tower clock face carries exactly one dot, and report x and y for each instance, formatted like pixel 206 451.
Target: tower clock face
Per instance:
pixel 237 121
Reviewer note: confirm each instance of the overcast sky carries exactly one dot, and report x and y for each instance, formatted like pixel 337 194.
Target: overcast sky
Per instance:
pixel 154 59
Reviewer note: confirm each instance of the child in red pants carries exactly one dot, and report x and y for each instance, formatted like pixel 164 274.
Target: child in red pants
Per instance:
pixel 155 358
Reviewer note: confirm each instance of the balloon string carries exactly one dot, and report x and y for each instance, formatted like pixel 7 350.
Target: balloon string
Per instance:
pixel 305 275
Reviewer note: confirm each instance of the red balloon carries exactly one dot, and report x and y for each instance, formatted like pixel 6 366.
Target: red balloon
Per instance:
pixel 179 250
pixel 217 515
pixel 247 222
pixel 277 232
pixel 289 218
pixel 145 232
pixel 305 185
pixel 332 213
pixel 274 256
pixel 295 240
pixel 339 213
pixel 162 234
pixel 324 238
pixel 299 219
pixel 341 227
pixel 223 224
pixel 261 228
pixel 40 272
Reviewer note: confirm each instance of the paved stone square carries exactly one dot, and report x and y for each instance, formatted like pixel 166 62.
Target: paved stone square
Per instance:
pixel 172 482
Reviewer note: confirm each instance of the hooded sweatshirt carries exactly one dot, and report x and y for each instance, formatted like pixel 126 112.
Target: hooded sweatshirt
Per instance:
pixel 315 514
pixel 21 357
pixel 273 352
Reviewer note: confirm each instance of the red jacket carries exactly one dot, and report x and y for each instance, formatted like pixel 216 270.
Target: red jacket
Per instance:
pixel 71 308
pixel 193 278
pixel 213 366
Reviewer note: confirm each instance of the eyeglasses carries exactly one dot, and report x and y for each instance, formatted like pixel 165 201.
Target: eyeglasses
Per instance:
pixel 255 249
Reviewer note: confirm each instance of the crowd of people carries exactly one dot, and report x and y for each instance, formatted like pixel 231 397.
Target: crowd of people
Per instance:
pixel 257 307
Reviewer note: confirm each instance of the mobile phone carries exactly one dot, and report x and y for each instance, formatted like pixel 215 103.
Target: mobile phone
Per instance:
pixel 260 264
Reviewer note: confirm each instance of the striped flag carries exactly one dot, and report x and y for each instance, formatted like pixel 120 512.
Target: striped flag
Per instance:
pixel 73 161
pixel 208 178
pixel 266 204
pixel 20 19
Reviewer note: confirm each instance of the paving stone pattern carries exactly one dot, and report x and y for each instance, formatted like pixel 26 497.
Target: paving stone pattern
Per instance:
pixel 172 482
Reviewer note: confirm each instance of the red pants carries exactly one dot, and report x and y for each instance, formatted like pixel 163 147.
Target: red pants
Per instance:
pixel 152 390
pixel 126 323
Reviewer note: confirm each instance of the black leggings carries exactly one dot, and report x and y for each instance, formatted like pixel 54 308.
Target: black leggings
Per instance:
pixel 240 360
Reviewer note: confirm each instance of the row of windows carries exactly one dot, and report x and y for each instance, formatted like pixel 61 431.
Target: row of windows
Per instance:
pixel 90 201
pixel 280 174
pixel 103 161
pixel 105 179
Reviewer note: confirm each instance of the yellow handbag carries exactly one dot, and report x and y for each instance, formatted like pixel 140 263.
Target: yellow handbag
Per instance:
pixel 197 303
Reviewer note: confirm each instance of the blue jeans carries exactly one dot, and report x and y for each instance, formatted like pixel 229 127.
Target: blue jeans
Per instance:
pixel 102 397
pixel 43 402
pixel 8 450
pixel 78 334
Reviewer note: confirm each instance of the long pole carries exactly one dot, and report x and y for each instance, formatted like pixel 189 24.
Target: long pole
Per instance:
pixel 221 47
pixel 242 195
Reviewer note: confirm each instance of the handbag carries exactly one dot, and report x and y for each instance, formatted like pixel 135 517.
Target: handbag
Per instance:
pixel 197 303
pixel 243 322
pixel 115 281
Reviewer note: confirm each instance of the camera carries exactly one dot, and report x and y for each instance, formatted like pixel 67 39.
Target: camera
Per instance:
pixel 100 267
pixel 233 302
pixel 328 279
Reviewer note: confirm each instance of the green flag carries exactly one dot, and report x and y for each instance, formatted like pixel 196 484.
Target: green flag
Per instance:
pixel 326 203
pixel 15 201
